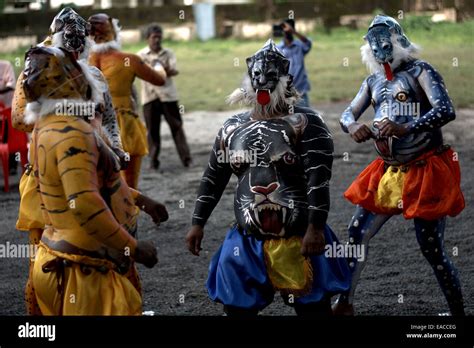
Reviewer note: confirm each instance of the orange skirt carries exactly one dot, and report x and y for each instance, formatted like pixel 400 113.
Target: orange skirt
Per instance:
pixel 431 187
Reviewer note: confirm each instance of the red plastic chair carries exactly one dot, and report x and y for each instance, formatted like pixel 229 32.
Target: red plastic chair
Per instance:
pixel 4 151
pixel 17 140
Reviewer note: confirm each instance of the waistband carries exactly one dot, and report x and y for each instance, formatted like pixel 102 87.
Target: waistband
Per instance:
pixel 420 161
pixel 99 260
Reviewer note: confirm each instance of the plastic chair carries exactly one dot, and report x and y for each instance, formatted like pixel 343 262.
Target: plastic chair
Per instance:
pixel 17 140
pixel 4 151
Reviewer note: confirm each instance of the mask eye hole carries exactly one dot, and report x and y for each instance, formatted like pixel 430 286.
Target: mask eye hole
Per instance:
pixel 289 158
pixel 386 46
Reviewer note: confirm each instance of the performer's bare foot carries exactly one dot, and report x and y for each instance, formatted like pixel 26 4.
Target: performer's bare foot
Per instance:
pixel 343 308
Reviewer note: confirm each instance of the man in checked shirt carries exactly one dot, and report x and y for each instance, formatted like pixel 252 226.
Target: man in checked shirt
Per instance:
pixel 162 100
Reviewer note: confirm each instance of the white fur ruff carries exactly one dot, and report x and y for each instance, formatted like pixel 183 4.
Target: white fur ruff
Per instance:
pixel 106 46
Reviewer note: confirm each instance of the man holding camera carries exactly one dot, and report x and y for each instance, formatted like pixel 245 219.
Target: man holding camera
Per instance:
pixel 294 51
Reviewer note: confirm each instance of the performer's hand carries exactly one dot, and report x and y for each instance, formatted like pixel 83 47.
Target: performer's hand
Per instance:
pixel 124 158
pixel 194 238
pixel 359 132
pixel 389 128
pixel 313 242
pixel 155 209
pixel 146 253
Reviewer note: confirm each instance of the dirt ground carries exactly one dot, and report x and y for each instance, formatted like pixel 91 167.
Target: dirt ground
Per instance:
pixel 177 285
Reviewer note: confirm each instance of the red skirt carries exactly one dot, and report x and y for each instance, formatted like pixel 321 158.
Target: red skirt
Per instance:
pixel 431 187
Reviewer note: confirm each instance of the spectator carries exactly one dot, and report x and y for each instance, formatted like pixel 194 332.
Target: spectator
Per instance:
pixel 162 100
pixel 295 50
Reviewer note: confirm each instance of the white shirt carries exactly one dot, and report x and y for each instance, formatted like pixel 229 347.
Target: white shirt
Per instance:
pixel 167 92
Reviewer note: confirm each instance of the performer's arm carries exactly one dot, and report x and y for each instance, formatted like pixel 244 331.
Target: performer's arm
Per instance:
pixel 358 131
pixel 357 107
pixel 111 127
pixel 213 183
pixel 155 209
pixel 147 73
pixel 442 110
pixel 19 106
pixel 316 153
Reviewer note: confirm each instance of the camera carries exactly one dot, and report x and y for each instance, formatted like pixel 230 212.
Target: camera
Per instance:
pixel 278 28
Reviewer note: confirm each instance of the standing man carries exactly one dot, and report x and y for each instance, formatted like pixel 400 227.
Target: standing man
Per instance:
pixel 158 100
pixel 295 50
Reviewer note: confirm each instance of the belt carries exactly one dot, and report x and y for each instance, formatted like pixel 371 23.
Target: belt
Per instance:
pixel 121 266
pixel 420 161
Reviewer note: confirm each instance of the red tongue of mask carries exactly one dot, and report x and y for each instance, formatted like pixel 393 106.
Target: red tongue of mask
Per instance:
pixel 388 71
pixel 263 96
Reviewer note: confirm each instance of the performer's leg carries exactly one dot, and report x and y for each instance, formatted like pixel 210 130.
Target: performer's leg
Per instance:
pixel 315 309
pixel 32 307
pixel 363 226
pixel 132 173
pixel 152 114
pixel 430 236
pixel 173 117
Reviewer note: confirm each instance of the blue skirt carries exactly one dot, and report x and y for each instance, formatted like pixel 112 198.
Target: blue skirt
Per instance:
pixel 238 275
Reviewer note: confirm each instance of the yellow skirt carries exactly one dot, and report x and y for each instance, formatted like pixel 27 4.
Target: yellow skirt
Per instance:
pixel 29 213
pixel 132 132
pixel 95 293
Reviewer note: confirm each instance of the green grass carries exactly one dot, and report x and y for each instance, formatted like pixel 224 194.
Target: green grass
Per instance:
pixel 209 71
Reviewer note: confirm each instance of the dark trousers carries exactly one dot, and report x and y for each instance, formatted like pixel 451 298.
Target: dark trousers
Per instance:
pixel 152 112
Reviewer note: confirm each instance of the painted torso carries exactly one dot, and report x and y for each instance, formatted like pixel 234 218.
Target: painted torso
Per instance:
pixel 283 167
pixel 415 96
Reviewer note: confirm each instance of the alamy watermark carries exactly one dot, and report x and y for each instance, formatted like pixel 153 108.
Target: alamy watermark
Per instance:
pixel 356 251
pixel 76 108
pixel 12 250
pixel 237 157
pixel 402 109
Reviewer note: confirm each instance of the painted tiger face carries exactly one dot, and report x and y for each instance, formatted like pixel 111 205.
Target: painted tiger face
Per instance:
pixel 270 199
